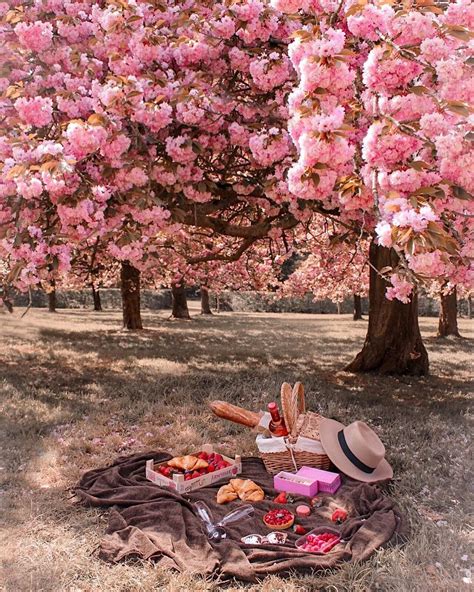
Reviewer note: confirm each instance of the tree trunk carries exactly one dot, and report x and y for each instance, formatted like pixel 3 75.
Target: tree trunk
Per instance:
pixel 393 344
pixel 96 299
pixel 130 288
pixel 205 305
pixel 448 315
pixel 180 304
pixel 357 316
pixel 52 301
pixel 469 307
pixel 7 304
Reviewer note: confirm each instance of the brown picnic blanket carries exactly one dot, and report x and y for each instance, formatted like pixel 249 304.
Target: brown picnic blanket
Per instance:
pixel 152 522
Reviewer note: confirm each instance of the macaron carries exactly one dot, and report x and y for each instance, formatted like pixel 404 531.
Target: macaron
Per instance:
pixel 303 510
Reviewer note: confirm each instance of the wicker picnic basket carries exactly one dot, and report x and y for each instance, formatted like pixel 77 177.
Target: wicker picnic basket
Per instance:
pixel 302 447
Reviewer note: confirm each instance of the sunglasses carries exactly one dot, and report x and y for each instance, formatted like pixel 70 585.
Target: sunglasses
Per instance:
pixel 272 538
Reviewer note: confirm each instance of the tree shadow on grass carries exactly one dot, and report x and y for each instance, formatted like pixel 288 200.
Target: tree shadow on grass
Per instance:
pixel 241 339
pixel 83 368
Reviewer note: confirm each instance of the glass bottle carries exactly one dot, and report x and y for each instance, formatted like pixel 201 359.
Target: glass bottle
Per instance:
pixel 277 425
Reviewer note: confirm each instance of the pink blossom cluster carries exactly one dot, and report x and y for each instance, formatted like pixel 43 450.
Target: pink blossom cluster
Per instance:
pixel 115 147
pixel 271 147
pixel 387 75
pixel 428 264
pixel 291 6
pixel 400 289
pixel 85 139
pixel 180 149
pixel 372 22
pixel 155 117
pixel 269 73
pixel 456 159
pixel 324 155
pixel 387 150
pixel 224 27
pixel 36 112
pixel 36 36
pixel 30 189
pixel 407 181
pixel 460 13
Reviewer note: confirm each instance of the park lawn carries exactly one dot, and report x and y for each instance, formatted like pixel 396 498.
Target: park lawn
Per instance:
pixel 76 392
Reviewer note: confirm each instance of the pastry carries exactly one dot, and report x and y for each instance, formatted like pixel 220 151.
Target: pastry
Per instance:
pixel 247 490
pixel 188 463
pixel 226 494
pixel 244 489
pixel 279 519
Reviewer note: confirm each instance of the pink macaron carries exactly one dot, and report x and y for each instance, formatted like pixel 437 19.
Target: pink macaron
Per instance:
pixel 303 510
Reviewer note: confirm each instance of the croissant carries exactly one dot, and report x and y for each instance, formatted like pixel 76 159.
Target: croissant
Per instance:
pixel 244 489
pixel 247 490
pixel 187 463
pixel 226 494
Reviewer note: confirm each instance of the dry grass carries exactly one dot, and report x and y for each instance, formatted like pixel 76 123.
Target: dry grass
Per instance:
pixel 76 392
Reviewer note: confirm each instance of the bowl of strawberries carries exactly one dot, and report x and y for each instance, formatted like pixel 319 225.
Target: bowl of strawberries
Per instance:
pixel 319 540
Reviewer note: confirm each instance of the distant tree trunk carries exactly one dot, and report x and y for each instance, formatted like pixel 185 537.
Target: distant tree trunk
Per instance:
pixel 180 304
pixel 205 305
pixel 7 304
pixel 130 288
pixel 96 298
pixel 357 316
pixel 52 301
pixel 448 315
pixel 393 344
pixel 338 307
pixel 469 307
pixel 218 304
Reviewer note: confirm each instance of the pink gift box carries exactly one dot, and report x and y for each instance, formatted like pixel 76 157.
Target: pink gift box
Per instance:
pixel 298 484
pixel 328 482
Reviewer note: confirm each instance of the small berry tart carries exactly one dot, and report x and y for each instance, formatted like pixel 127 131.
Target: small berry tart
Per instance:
pixel 279 519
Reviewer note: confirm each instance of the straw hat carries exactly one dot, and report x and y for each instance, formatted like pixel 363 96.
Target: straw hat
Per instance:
pixel 356 450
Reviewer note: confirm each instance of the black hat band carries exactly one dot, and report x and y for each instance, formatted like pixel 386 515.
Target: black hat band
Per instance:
pixel 351 456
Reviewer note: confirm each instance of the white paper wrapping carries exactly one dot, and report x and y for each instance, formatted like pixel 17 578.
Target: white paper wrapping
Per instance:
pixel 265 419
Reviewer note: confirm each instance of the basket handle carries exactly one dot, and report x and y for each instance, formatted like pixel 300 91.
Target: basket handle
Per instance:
pixel 298 396
pixel 292 402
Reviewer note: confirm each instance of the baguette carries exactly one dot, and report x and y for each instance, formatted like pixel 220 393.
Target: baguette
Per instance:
pixel 235 414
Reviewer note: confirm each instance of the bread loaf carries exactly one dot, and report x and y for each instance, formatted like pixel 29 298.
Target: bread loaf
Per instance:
pixel 235 414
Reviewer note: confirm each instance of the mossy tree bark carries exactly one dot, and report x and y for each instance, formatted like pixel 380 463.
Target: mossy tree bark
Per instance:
pixel 448 315
pixel 393 344
pixel 130 288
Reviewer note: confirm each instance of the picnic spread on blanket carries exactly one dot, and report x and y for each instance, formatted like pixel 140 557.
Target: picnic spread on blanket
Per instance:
pixel 215 515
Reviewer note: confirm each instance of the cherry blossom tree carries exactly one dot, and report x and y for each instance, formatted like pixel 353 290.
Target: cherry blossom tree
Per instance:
pixel 127 120
pixel 382 121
